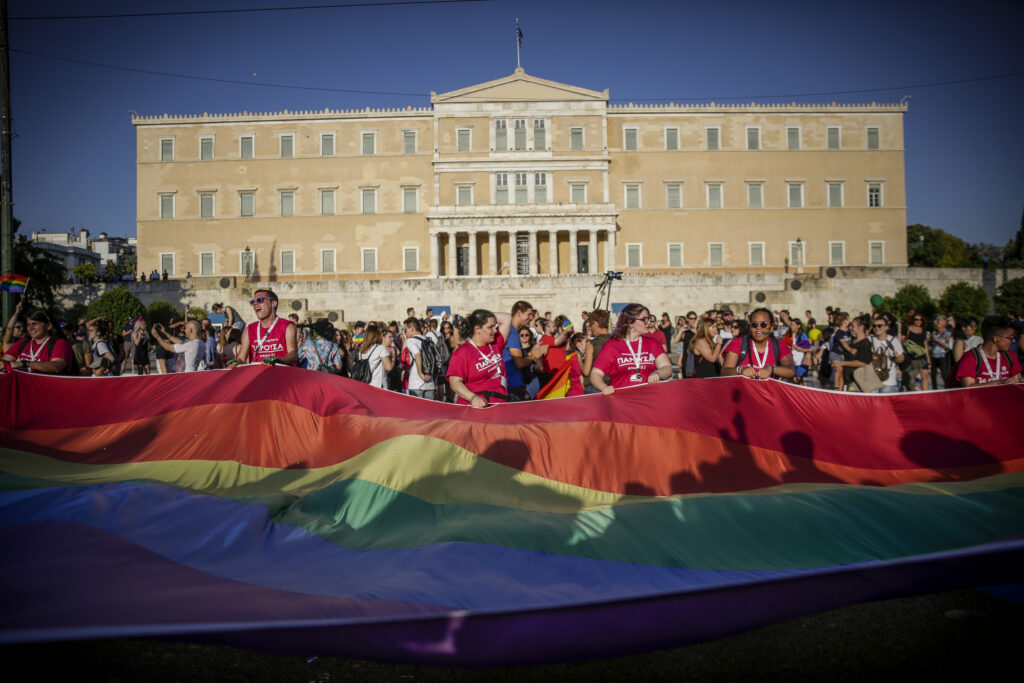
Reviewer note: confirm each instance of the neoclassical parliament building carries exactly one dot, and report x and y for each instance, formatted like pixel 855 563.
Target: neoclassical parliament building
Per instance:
pixel 521 176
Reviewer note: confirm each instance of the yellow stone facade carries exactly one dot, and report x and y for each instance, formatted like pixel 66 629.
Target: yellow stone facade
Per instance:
pixel 521 176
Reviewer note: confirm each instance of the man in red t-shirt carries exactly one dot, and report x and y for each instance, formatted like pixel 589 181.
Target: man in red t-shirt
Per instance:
pixel 270 339
pixel 992 362
pixel 42 350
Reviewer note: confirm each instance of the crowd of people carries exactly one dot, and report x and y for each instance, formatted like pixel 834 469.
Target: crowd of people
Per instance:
pixel 486 357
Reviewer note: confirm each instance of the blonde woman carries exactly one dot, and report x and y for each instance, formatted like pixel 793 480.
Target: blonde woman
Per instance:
pixel 706 347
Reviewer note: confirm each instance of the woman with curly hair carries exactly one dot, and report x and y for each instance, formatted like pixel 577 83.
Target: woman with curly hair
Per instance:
pixel 628 357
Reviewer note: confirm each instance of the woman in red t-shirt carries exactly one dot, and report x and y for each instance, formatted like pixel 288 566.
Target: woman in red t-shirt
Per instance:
pixel 628 357
pixel 476 371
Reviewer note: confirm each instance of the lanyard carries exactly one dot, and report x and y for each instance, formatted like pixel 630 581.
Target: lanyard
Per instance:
pixel 988 368
pixel 489 360
pixel 262 340
pixel 33 357
pixel 760 361
pixel 638 354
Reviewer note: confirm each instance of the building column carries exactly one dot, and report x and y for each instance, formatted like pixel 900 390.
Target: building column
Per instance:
pixel 452 254
pixel 513 254
pixel 574 266
pixel 553 252
pixel 472 253
pixel 492 252
pixel 434 263
pixel 592 252
pixel 532 270
pixel 609 251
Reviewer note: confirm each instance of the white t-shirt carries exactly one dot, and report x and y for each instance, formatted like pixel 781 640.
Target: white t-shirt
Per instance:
pixel 880 346
pixel 193 351
pixel 415 347
pixel 375 356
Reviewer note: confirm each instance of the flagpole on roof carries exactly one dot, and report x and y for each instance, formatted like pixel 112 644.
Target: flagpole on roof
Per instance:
pixel 519 42
pixel 6 213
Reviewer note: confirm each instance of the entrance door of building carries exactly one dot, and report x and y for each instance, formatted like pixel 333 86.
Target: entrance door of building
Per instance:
pixel 523 254
pixel 462 261
pixel 583 257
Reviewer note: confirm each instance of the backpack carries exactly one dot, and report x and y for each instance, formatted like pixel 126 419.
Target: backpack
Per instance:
pixel 691 364
pixel 745 350
pixel 880 362
pixel 361 370
pixel 74 365
pixel 952 380
pixel 430 358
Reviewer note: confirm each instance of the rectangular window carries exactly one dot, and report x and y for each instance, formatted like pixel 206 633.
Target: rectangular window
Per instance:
pixel 410 201
pixel 245 147
pixel 326 260
pixel 409 142
pixel 167 149
pixel 578 194
pixel 872 138
pixel 756 253
pixel 753 138
pixel 206 149
pixel 713 134
pixel 501 134
pixel 246 259
pixel 540 188
pixel 673 196
pixel 629 139
pixel 464 194
pixel 411 259
pixel 835 195
pixel 463 139
pixel 206 205
pixel 246 200
pixel 369 197
pixel 796 253
pixel 540 137
pixel 793 139
pixel 634 255
pixel 206 263
pixel 520 134
pixel 877 250
pixel 833 137
pixel 287 146
pixel 521 189
pixel 755 199
pixel 714 195
pixel 287 262
pixel 632 196
pixel 874 195
pixel 167 264
pixel 288 203
pixel 716 253
pixel 327 144
pixel 501 188
pixel 796 195
pixel 675 255
pixel 671 139
pixel 836 255
pixel 327 202
pixel 576 138
pixel 369 260
pixel 167 206
pixel 369 144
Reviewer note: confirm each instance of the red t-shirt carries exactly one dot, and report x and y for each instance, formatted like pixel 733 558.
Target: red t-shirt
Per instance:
pixel 481 368
pixel 628 364
pixel 736 346
pixel 968 367
pixel 554 359
pixel 268 343
pixel 657 336
pixel 27 349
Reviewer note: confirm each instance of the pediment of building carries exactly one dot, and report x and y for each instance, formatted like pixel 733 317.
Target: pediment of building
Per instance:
pixel 520 86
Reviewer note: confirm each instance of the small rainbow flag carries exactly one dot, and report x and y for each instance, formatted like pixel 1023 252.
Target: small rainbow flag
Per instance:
pixel 558 386
pixel 10 282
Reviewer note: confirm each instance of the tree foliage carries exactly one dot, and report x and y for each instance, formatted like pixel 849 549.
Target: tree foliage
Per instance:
pixel 962 299
pixel 197 313
pixel 118 305
pixel 84 271
pixel 160 311
pixel 45 273
pixel 909 298
pixel 1010 298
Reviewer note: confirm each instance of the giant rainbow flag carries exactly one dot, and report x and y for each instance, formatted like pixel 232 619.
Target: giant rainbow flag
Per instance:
pixel 296 512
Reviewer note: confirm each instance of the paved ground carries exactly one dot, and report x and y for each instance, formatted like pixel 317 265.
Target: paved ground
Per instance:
pixel 962 635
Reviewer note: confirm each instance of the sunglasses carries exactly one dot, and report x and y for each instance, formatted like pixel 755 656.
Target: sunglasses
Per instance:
pixel 762 324
pixel 879 326
pixel 259 300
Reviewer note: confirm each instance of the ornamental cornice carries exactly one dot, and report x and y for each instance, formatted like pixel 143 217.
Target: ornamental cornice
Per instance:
pixel 476 224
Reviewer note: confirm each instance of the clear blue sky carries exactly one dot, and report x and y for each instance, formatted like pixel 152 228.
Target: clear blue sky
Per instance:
pixel 74 154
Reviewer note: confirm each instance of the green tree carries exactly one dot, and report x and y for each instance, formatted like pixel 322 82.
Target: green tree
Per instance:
pixel 909 298
pixel 118 305
pixel 961 300
pixel 44 272
pixel 160 311
pixel 1010 298
pixel 84 271
pixel 196 313
pixel 934 248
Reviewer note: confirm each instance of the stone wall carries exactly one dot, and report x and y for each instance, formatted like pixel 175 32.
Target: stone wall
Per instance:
pixel 850 288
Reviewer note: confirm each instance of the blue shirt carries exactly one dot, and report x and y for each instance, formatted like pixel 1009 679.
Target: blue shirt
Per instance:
pixel 514 374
